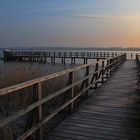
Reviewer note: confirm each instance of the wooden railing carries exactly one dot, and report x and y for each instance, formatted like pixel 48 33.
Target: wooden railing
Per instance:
pixel 132 55
pixel 43 55
pixel 90 80
pixel 77 54
pixel 138 68
pixel 18 55
pixel 65 54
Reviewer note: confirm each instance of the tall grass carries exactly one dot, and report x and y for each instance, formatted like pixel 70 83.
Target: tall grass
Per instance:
pixel 15 72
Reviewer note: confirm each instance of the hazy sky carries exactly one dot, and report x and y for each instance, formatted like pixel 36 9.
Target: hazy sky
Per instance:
pixel 70 23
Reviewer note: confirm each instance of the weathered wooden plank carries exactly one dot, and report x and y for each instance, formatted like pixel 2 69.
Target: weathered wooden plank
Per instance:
pixel 101 124
pixel 40 115
pixel 59 138
pixel 101 129
pixel 99 132
pixel 108 116
pixel 103 120
pixel 78 132
pixel 74 136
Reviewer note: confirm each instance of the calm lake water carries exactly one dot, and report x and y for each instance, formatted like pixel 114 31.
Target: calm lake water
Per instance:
pixel 15 72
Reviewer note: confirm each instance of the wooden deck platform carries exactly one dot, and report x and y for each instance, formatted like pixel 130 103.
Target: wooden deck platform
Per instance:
pixel 112 113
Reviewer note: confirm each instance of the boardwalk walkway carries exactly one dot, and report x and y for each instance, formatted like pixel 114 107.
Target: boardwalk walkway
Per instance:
pixel 112 114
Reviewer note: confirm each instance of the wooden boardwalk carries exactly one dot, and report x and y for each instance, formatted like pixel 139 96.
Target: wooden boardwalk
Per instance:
pixel 93 75
pixel 44 56
pixel 112 113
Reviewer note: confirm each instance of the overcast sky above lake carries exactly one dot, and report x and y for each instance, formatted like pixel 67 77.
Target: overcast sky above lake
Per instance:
pixel 70 23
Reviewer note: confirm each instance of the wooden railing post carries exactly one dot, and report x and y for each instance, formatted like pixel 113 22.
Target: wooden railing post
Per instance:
pixel 107 54
pixel 83 54
pixel 71 81
pixel 64 54
pixel 70 54
pixel 97 55
pixel 96 69
pixel 131 55
pixel 87 54
pixel 103 64
pixel 87 81
pixel 138 69
pixel 90 54
pixel 108 62
pixel 110 67
pixel 114 64
pixel 94 55
pixel 40 134
pixel 112 54
pixel 76 54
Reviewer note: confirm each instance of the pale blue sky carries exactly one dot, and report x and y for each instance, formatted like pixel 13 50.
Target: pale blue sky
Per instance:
pixel 70 23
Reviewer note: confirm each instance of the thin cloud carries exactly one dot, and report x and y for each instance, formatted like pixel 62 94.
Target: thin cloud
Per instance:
pixel 107 16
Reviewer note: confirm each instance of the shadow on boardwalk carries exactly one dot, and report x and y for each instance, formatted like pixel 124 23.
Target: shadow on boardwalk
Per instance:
pixel 112 114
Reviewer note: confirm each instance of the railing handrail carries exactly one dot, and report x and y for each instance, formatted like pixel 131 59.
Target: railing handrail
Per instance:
pixel 61 54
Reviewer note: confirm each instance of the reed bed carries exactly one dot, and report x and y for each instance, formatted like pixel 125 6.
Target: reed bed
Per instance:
pixel 14 72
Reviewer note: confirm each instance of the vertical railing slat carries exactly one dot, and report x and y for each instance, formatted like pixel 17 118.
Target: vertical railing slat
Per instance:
pixel 96 69
pixel 71 81
pixel 103 64
pixel 40 135
pixel 87 81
